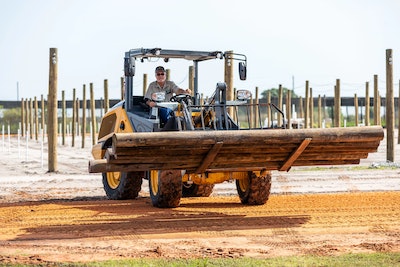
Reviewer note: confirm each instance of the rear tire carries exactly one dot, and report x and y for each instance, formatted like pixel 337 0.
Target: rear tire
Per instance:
pixel 122 185
pixel 165 188
pixel 254 190
pixel 197 190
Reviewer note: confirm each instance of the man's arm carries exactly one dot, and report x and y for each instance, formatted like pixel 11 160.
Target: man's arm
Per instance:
pixel 179 91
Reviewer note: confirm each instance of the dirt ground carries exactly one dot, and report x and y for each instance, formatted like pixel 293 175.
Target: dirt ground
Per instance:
pixel 65 216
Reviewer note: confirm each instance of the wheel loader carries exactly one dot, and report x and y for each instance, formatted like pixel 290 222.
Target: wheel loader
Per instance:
pixel 209 141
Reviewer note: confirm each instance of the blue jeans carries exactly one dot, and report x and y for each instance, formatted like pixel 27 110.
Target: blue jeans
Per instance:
pixel 165 114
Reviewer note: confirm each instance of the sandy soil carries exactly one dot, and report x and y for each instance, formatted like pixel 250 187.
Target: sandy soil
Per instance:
pixel 64 216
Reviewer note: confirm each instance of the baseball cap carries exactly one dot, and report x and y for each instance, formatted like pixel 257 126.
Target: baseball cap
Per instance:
pixel 159 69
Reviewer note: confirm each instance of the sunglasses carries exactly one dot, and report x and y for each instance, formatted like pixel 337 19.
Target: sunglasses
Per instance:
pixel 161 74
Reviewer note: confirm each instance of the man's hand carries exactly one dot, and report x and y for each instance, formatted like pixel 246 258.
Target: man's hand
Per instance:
pixel 185 91
pixel 151 103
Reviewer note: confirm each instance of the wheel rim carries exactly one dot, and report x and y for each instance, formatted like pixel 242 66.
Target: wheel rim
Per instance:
pixel 244 184
pixel 154 181
pixel 113 179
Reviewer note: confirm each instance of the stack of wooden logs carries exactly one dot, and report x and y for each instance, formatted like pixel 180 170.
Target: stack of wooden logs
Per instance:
pixel 203 151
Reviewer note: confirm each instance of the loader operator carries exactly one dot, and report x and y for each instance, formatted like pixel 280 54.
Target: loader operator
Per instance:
pixel 162 85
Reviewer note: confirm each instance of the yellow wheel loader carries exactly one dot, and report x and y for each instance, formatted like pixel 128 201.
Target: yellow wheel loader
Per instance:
pixel 210 142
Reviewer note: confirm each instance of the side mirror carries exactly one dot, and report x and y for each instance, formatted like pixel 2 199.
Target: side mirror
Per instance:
pixel 129 67
pixel 242 70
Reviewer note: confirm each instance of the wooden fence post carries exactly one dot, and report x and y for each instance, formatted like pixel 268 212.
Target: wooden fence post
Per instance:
pixel 257 111
pixel 337 104
pixel 279 122
pixel 228 77
pixel 30 118
pixel 106 100
pixel 191 79
pixel 289 108
pixel 389 106
pixel 269 115
pixel 398 117
pixel 36 119
pixel 379 109
pixel 367 104
pixel 144 83
pixel 84 116
pixel 301 108
pixel 63 118
pixel 73 131
pixel 306 105
pixel 319 111
pixel 22 117
pixel 77 116
pixel 311 109
pixel 93 114
pixel 27 115
pixel 52 111
pixel 376 100
pixel 251 115
pixel 356 109
pixel 42 121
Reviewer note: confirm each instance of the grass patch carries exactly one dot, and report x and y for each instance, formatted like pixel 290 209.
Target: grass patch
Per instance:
pixel 353 260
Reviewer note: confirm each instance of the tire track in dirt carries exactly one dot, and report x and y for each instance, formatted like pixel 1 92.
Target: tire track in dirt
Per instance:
pixel 323 224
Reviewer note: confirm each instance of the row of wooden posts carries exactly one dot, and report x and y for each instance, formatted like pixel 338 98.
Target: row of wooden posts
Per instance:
pixel 29 109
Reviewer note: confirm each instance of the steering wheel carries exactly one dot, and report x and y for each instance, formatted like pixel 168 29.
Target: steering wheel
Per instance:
pixel 179 98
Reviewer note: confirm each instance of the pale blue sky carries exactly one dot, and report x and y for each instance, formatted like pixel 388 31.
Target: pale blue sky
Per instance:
pixel 318 41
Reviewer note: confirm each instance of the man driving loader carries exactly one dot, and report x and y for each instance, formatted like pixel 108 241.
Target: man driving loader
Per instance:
pixel 162 85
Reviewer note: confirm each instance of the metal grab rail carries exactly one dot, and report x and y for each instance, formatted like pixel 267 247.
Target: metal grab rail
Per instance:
pixel 217 117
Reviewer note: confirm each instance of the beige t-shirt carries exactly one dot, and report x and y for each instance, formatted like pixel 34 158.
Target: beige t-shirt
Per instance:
pixel 169 88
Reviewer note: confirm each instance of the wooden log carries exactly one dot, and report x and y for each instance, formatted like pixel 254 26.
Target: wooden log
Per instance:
pixel 96 166
pixel 233 158
pixel 256 137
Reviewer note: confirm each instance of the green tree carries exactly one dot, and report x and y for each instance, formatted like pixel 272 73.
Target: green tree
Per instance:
pixel 11 117
pixel 275 92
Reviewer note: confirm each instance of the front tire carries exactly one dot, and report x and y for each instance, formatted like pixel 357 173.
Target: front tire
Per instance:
pixel 165 188
pixel 254 190
pixel 122 185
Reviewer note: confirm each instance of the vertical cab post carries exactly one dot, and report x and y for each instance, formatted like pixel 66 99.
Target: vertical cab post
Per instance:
pixel 129 70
